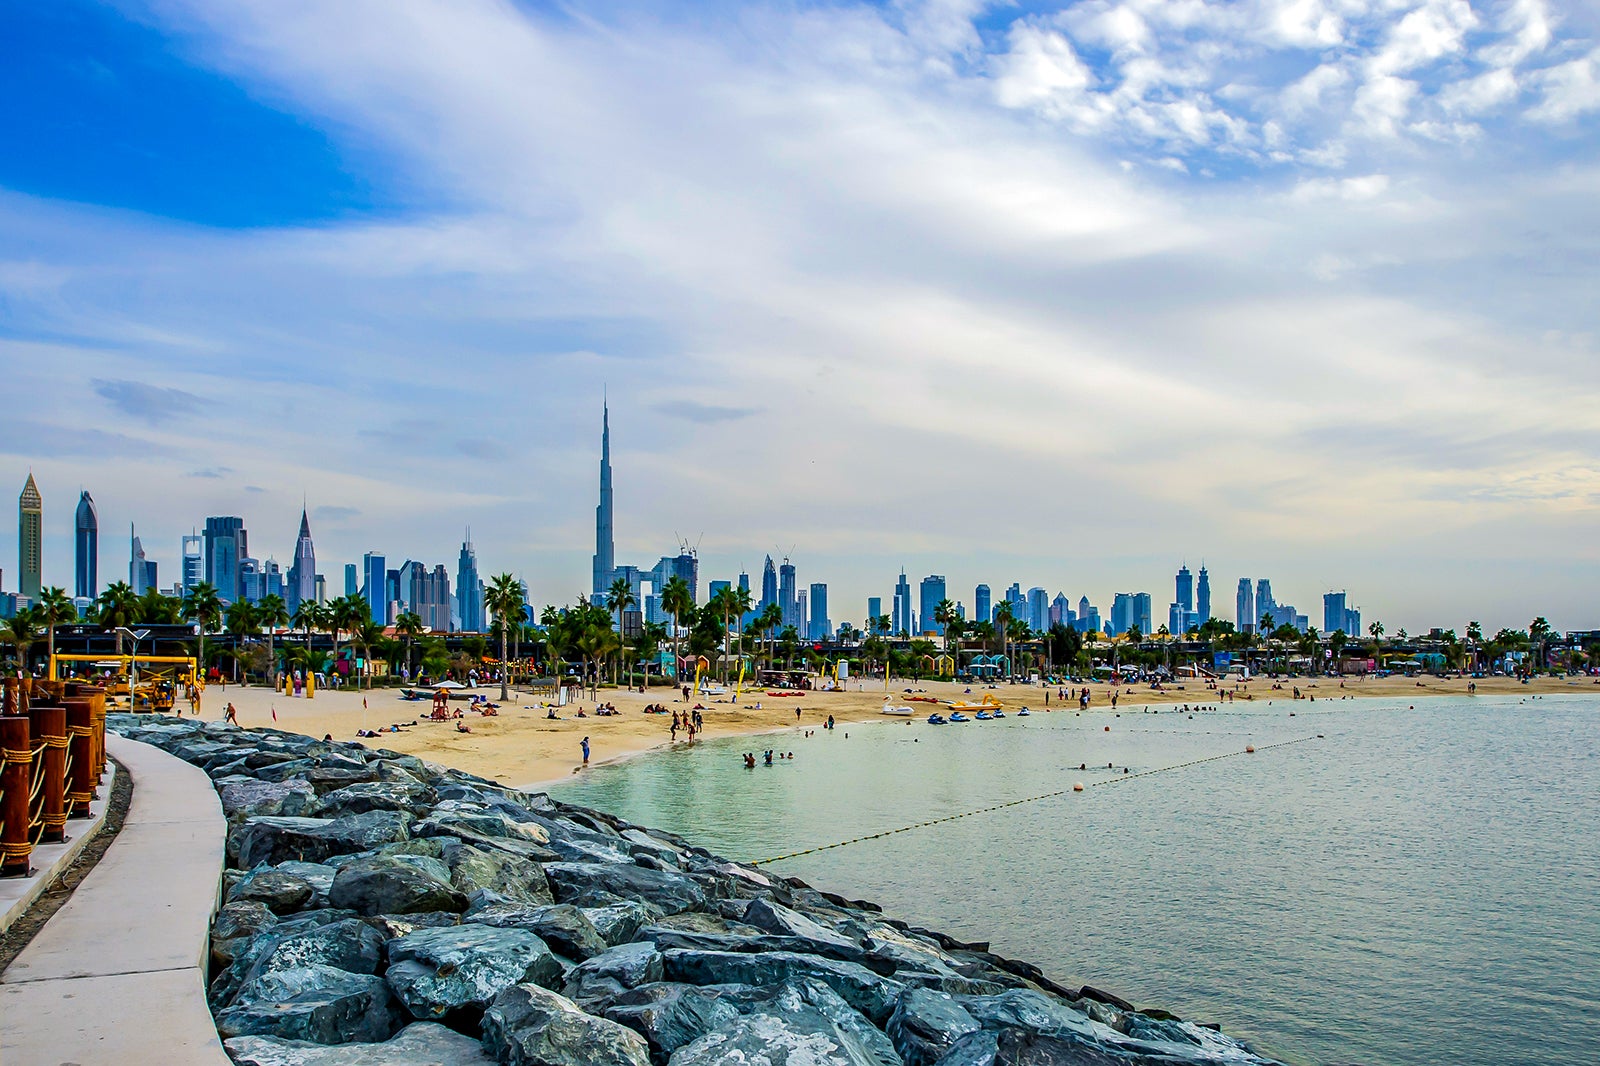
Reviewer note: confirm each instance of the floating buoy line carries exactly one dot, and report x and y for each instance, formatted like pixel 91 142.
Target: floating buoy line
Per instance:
pixel 1076 787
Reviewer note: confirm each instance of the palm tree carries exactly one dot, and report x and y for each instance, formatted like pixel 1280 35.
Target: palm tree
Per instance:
pixel 1539 634
pixel 203 608
pixel 739 604
pixel 160 609
pixel 1002 622
pixel 503 597
pixel 119 607
pixel 55 608
pixel 677 600
pixel 595 643
pixel 365 636
pixel 20 631
pixel 619 597
pixel 242 621
pixel 347 613
pixel 408 625
pixel 1474 638
pixel 944 614
pixel 272 613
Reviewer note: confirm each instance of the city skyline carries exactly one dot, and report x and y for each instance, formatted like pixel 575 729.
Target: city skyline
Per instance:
pixel 1059 293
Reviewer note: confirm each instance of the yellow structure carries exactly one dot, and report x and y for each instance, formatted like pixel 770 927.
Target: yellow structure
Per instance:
pixel 152 682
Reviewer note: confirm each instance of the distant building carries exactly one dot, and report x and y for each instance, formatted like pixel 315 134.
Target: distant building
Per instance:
pixel 1141 612
pixel 141 570
pixel 716 588
pixel 874 612
pixel 1018 602
pixel 1202 606
pixel 375 586
pixel 819 625
pixel 932 591
pixel 1265 604
pixel 769 585
pixel 469 589
pixel 902 621
pixel 193 563
pixel 802 616
pixel 788 600
pixel 30 538
pixel 352 580
pixel 227 546
pixel 981 608
pixel 604 529
pixel 86 544
pixel 1185 590
pixel 1085 609
pixel 1338 615
pixel 1121 612
pixel 1038 609
pixel 1061 612
pixel 321 587
pixel 1245 617
pixel 302 584
pixel 744 586
pixel 425 593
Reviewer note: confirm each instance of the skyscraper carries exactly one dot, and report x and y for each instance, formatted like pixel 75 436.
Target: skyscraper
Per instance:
pixel 788 595
pixel 193 562
pixel 30 532
pixel 820 627
pixel 141 571
pixel 1265 604
pixel 874 612
pixel 932 592
pixel 980 604
pixel 1245 617
pixel 605 555
pixel 902 620
pixel 227 546
pixel 1185 583
pixel 1121 613
pixel 86 541
pixel 1038 617
pixel 769 585
pixel 744 586
pixel 1338 615
pixel 469 588
pixel 302 584
pixel 375 585
pixel 1141 612
pixel 352 580
pixel 1202 605
pixel 1084 610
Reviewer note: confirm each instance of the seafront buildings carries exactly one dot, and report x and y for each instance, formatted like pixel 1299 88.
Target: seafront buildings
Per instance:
pixel 220 555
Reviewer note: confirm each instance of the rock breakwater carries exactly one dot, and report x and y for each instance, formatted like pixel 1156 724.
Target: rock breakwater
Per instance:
pixel 380 909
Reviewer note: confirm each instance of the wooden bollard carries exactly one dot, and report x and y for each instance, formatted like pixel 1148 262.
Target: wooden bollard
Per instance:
pixel 16 779
pixel 97 722
pixel 50 736
pixel 81 776
pixel 47 691
pixel 9 690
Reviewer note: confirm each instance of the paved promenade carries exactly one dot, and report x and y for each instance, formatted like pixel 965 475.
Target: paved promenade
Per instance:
pixel 118 974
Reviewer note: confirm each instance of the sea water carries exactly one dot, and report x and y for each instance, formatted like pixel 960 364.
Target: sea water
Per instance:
pixel 1419 885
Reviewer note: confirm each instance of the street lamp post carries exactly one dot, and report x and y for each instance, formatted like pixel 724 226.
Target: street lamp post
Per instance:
pixel 133 665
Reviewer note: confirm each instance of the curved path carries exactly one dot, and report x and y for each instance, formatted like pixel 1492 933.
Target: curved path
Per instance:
pixel 118 974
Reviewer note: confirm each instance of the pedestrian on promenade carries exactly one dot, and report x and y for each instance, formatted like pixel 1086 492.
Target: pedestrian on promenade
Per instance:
pixel 586 751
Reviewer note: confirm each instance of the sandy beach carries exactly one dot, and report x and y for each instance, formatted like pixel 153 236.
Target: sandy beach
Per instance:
pixel 521 746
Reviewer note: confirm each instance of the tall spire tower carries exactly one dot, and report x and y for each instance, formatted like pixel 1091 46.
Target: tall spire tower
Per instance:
pixel 605 560
pixel 30 529
pixel 303 571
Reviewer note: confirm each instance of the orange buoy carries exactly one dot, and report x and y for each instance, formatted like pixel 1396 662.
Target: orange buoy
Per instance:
pixel 1249 749
pixel 1078 787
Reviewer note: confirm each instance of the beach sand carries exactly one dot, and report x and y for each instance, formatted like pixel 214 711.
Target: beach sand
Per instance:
pixel 522 747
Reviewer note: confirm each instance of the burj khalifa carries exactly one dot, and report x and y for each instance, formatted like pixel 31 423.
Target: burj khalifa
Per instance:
pixel 604 540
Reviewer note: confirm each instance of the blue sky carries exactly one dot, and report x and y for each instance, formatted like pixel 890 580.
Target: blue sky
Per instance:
pixel 1065 294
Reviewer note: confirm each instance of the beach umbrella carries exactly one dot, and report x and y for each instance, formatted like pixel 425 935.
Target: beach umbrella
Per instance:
pixel 449 685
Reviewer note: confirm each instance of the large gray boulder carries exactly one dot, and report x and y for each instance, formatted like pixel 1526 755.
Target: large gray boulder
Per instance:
pixel 531 1026
pixel 437 972
pixel 776 918
pixel 510 876
pixel 595 884
pixel 619 923
pixel 1018 1047
pixel 800 1038
pixel 858 986
pixel 418 1044
pixel 275 840
pixel 1023 1008
pixel 392 885
pixel 563 926
pixel 671 1015
pixel 927 1024
pixel 280 892
pixel 610 972
pixel 247 797
pixel 235 925
pixel 319 1004
pixel 377 796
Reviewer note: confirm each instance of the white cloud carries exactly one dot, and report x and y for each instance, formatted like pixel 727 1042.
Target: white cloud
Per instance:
pixel 1437 28
pixel 1041 70
pixel 1382 105
pixel 1350 190
pixel 1568 90
pixel 1489 91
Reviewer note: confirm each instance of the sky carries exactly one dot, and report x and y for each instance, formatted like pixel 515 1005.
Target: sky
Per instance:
pixel 1064 294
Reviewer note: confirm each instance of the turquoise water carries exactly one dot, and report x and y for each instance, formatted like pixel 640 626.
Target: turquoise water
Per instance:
pixel 1419 886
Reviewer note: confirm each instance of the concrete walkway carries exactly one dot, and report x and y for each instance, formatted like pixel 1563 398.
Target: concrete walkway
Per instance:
pixel 118 974
pixel 49 860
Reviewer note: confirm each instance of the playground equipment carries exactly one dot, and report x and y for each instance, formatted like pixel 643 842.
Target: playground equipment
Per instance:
pixel 151 682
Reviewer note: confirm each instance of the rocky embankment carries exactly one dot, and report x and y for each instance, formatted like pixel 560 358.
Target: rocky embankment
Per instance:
pixel 379 909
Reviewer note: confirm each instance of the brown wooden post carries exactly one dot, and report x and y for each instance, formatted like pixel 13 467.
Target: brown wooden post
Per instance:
pixel 16 778
pixel 81 775
pixel 96 697
pixel 9 694
pixel 49 722
pixel 47 691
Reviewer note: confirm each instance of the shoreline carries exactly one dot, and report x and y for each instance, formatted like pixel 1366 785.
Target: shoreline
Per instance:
pixel 521 745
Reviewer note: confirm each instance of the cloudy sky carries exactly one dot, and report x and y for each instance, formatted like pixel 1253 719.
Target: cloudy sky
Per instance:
pixel 1064 294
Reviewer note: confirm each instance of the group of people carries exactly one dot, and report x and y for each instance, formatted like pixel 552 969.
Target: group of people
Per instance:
pixel 689 721
pixel 766 756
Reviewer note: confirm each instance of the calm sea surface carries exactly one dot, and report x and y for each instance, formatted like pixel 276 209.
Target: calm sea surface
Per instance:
pixel 1419 886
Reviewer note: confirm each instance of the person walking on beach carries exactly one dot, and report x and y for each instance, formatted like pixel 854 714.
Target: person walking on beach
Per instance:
pixel 233 715
pixel 674 727
pixel 585 751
